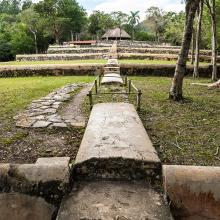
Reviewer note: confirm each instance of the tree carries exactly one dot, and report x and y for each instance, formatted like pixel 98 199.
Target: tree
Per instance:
pixel 61 16
pixel 212 9
pixel 100 22
pixel 174 26
pixel 21 41
pixel 31 19
pixel 177 84
pixel 11 7
pixel 198 38
pixel 154 19
pixel 75 15
pixel 133 20
pixel 120 19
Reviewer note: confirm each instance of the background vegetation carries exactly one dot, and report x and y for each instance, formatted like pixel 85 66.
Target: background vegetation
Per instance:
pixel 27 27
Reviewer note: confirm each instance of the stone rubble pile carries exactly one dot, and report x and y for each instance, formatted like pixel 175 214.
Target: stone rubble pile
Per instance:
pixel 43 113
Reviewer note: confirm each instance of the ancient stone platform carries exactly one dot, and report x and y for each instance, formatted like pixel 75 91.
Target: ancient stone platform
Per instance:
pixel 118 200
pixel 116 145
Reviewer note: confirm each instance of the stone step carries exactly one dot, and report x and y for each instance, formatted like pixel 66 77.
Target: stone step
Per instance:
pixel 112 77
pixel 111 200
pixel 116 146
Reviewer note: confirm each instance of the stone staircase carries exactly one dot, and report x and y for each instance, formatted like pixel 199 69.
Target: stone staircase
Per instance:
pixel 112 68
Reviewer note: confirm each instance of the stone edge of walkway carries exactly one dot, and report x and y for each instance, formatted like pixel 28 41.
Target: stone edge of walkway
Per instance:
pixel 48 178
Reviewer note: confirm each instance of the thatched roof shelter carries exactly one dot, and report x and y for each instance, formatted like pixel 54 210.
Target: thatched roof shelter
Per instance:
pixel 116 34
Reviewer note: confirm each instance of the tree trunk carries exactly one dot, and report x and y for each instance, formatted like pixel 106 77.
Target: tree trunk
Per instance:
pixel 198 39
pixel 35 39
pixel 214 42
pixel 132 32
pixel 177 84
pixel 35 42
pixel 71 33
pixel 212 10
pixel 193 46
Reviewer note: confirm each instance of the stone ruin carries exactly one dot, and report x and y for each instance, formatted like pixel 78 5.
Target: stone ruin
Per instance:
pixel 117 173
pixel 125 49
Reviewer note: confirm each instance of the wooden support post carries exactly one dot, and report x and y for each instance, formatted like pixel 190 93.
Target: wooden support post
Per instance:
pixel 100 77
pixel 139 100
pixel 126 80
pixel 96 86
pixel 90 100
pixel 129 86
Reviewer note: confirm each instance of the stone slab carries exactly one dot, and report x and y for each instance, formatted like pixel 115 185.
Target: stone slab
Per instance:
pixel 194 191
pixel 15 206
pixel 116 145
pixel 114 201
pixel 112 78
pixel 48 178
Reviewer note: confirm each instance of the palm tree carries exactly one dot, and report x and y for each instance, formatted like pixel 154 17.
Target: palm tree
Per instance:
pixel 133 20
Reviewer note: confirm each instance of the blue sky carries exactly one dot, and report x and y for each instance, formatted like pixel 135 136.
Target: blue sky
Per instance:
pixel 129 5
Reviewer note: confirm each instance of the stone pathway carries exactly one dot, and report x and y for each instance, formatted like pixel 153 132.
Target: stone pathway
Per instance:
pixel 114 200
pixel 43 113
pixel 112 68
pixel 72 113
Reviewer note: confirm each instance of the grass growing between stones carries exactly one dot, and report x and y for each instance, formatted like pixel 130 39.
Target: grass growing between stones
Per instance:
pixel 26 145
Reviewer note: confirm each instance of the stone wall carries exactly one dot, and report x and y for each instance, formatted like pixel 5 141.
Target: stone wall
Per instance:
pixel 96 69
pixel 46 57
pixel 71 50
pixel 52 70
pixel 168 57
pixel 156 50
pixel 162 70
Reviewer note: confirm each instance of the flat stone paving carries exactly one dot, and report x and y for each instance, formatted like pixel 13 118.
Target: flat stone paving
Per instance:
pixel 43 113
pixel 72 113
pixel 116 145
pixel 114 201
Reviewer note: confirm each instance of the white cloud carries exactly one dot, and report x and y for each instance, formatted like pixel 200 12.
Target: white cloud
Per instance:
pixel 138 5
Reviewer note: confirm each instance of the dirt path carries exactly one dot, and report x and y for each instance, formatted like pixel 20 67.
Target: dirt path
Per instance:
pixel 72 113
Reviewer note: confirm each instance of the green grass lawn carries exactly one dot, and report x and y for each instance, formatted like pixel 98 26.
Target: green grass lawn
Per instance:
pixel 17 93
pixel 88 61
pixel 183 133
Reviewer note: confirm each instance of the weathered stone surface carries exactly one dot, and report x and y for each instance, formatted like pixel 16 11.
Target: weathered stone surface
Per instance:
pixel 41 124
pixel 48 178
pixel 116 145
pixel 59 125
pixel 25 122
pixel 44 57
pixel 194 191
pixel 15 206
pixel 112 78
pixel 114 200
